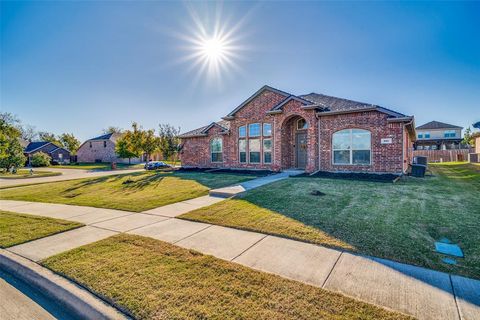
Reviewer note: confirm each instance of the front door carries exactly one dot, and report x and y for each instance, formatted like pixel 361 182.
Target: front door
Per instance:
pixel 301 150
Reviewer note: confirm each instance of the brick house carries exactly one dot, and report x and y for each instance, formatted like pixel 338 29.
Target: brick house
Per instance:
pixel 275 130
pixel 102 149
pixel 56 153
pixel 436 135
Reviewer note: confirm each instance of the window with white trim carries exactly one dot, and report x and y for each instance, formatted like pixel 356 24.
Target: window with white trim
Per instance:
pixel 216 150
pixel 242 132
pixel 351 147
pixel 254 150
pixel 449 134
pixel 267 150
pixel 302 124
pixel 242 150
pixel 267 129
pixel 254 130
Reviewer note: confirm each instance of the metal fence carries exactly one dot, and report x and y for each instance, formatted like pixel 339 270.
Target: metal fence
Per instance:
pixel 444 155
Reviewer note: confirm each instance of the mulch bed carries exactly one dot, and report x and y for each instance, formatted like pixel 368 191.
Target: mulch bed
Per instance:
pixel 229 171
pixel 353 176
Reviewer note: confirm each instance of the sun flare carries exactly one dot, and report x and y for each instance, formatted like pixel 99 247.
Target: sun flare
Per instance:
pixel 213 49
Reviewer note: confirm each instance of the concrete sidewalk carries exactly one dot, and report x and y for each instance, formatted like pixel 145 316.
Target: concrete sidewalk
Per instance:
pixel 231 191
pixel 423 293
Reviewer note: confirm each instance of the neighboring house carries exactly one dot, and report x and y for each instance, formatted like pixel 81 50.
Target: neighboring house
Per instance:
pixel 102 149
pixel 436 135
pixel 58 154
pixel 275 130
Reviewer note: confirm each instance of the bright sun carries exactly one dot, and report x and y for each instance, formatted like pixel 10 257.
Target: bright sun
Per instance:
pixel 213 49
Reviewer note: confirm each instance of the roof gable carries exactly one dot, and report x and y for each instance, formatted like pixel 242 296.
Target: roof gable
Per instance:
pixel 203 131
pixel 32 146
pixel 437 125
pixel 253 96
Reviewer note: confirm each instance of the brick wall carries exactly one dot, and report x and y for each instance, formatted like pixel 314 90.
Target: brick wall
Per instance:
pixel 99 152
pixel 384 157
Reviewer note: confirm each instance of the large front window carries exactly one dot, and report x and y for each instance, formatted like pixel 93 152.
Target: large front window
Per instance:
pixel 351 147
pixel 255 143
pixel 216 150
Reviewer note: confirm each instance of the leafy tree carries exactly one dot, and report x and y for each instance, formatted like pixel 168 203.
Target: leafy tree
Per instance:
pixel 467 137
pixel 11 151
pixel 169 141
pixel 40 159
pixel 50 137
pixel 135 138
pixel 69 141
pixel 124 148
pixel 150 143
pixel 113 129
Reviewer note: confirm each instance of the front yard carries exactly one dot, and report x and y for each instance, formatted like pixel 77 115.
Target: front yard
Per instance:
pixel 137 192
pixel 156 280
pixel 16 228
pixel 25 174
pixel 398 221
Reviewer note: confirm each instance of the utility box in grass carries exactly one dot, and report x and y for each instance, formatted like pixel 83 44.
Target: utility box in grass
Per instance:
pixel 418 170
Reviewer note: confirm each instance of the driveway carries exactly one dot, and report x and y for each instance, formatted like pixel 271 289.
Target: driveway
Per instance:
pixel 67 174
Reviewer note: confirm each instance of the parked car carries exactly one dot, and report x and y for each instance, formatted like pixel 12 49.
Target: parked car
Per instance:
pixel 154 165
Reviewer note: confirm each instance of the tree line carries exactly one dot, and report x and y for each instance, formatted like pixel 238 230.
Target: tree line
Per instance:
pixel 137 142
pixel 133 143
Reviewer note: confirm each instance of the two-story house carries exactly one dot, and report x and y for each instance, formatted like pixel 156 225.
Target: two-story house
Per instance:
pixel 436 135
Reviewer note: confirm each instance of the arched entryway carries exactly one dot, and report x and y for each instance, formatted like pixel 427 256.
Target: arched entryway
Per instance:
pixel 294 143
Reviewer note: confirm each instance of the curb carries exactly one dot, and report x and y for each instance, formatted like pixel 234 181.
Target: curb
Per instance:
pixel 73 298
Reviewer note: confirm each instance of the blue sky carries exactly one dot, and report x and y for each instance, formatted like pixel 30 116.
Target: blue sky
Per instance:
pixel 83 66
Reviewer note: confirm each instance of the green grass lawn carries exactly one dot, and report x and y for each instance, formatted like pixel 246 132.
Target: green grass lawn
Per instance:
pixel 156 280
pixel 138 191
pixel 25 174
pixel 16 228
pixel 398 221
pixel 99 166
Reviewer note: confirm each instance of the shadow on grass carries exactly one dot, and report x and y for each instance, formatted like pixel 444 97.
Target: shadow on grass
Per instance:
pixel 139 181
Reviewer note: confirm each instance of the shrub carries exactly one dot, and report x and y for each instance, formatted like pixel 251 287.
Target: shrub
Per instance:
pixel 40 159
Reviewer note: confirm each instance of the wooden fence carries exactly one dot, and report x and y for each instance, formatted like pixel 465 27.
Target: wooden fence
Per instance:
pixel 444 155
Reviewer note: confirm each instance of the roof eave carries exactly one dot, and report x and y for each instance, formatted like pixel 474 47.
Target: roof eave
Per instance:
pixel 328 113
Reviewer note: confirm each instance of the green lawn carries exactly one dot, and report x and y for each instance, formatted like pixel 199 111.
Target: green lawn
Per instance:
pixel 398 221
pixel 156 280
pixel 16 228
pixel 99 166
pixel 138 191
pixel 25 174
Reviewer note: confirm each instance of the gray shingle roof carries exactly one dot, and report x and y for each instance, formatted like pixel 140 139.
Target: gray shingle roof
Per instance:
pixel 35 145
pixel 103 137
pixel 437 125
pixel 225 125
pixel 334 103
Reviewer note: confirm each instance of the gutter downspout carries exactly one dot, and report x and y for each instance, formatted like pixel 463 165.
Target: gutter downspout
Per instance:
pixel 319 143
